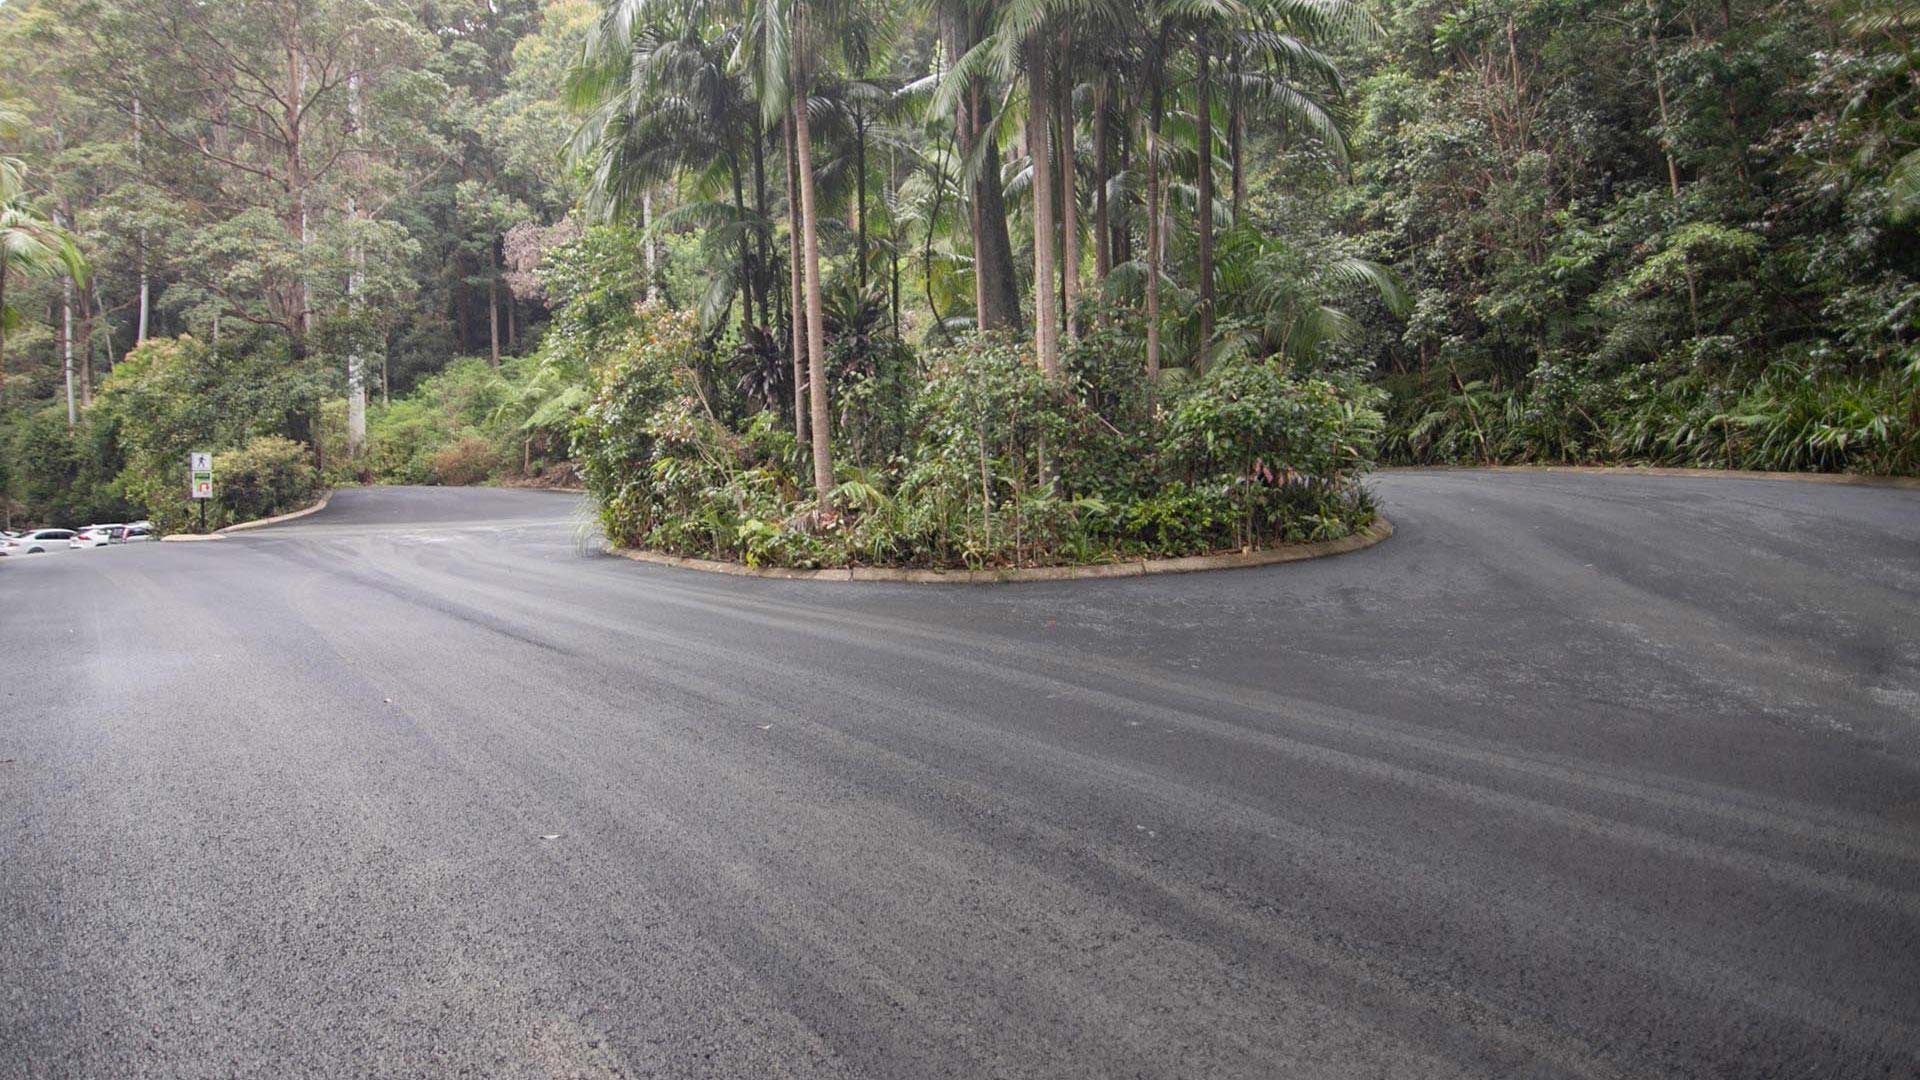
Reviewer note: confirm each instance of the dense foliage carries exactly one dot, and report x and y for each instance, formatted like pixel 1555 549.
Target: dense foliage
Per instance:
pixel 1165 265
pixel 998 464
pixel 1660 232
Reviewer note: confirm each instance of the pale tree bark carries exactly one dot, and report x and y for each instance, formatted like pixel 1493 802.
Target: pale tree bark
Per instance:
pixel 1203 145
pixel 356 364
pixel 140 326
pixel 963 129
pixel 3 332
pixel 1237 137
pixel 85 375
pixel 493 305
pixel 1154 252
pixel 798 295
pixel 1040 158
pixel 66 344
pixel 296 175
pixel 646 225
pixel 810 248
pixel 1069 197
pixel 1102 175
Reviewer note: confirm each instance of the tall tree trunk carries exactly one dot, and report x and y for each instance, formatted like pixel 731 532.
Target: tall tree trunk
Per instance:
pixel 1153 211
pixel 646 230
pixel 1069 196
pixel 993 260
pixel 816 315
pixel 463 296
pixel 1122 222
pixel 762 282
pixel 1040 159
pixel 3 331
pixel 86 349
pixel 1237 136
pixel 860 179
pixel 493 305
pixel 1203 145
pixel 140 327
pixel 1660 94
pixel 66 344
pixel 356 364
pixel 956 33
pixel 746 249
pixel 1102 175
pixel 893 239
pixel 797 297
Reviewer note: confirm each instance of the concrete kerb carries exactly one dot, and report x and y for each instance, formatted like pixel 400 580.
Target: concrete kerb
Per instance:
pixel 264 522
pixel 1373 534
pixel 221 534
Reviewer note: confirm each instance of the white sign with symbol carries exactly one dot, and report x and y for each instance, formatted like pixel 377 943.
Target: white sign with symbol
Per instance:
pixel 202 463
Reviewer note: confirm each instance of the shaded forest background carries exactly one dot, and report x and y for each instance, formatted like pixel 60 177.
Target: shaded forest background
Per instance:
pixel 1660 231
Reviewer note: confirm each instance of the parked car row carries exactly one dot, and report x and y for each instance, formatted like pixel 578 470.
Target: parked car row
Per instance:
pixel 39 541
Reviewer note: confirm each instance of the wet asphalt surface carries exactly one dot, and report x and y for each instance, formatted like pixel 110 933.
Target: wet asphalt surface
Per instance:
pixel 1577 775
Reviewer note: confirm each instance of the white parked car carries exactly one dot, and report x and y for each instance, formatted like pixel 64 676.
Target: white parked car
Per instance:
pixel 36 541
pixel 94 536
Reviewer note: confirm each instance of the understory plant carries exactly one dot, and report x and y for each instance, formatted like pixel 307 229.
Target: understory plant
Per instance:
pixel 993 462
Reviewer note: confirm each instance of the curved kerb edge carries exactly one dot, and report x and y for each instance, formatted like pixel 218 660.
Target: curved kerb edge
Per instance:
pixel 1366 538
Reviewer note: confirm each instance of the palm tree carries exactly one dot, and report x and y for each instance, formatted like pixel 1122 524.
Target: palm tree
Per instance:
pixel 800 67
pixel 30 243
pixel 1290 79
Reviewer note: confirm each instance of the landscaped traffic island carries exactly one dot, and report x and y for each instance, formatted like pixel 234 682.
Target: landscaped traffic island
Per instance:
pixel 969 458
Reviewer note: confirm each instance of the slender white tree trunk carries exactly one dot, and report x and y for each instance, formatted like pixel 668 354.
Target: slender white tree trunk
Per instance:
pixel 810 248
pixel 797 312
pixel 66 344
pixel 646 225
pixel 1069 197
pixel 140 327
pixel 356 364
pixel 1040 157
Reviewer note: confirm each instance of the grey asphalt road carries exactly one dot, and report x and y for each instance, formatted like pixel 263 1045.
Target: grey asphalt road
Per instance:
pixel 1577 775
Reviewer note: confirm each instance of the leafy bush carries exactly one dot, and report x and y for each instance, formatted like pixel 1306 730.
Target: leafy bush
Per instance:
pixel 997 464
pixel 405 440
pixel 270 475
pixel 1788 416
pixel 169 397
pixel 472 460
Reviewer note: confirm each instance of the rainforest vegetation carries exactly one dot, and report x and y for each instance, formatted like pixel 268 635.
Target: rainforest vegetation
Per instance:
pixel 962 282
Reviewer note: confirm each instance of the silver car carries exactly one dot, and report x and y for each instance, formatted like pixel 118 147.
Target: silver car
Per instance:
pixel 35 541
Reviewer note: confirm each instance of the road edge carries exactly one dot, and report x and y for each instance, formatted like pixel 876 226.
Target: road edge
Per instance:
pixel 1898 483
pixel 1365 538
pixel 278 518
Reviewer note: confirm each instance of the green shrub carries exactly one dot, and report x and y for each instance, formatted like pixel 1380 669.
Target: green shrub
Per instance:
pixel 270 475
pixel 472 460
pixel 462 404
pixel 170 397
pixel 1000 464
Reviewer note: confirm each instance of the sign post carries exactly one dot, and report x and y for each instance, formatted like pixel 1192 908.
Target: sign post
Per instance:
pixel 201 465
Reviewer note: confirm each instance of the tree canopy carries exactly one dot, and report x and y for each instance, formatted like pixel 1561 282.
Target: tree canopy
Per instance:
pixel 1523 230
